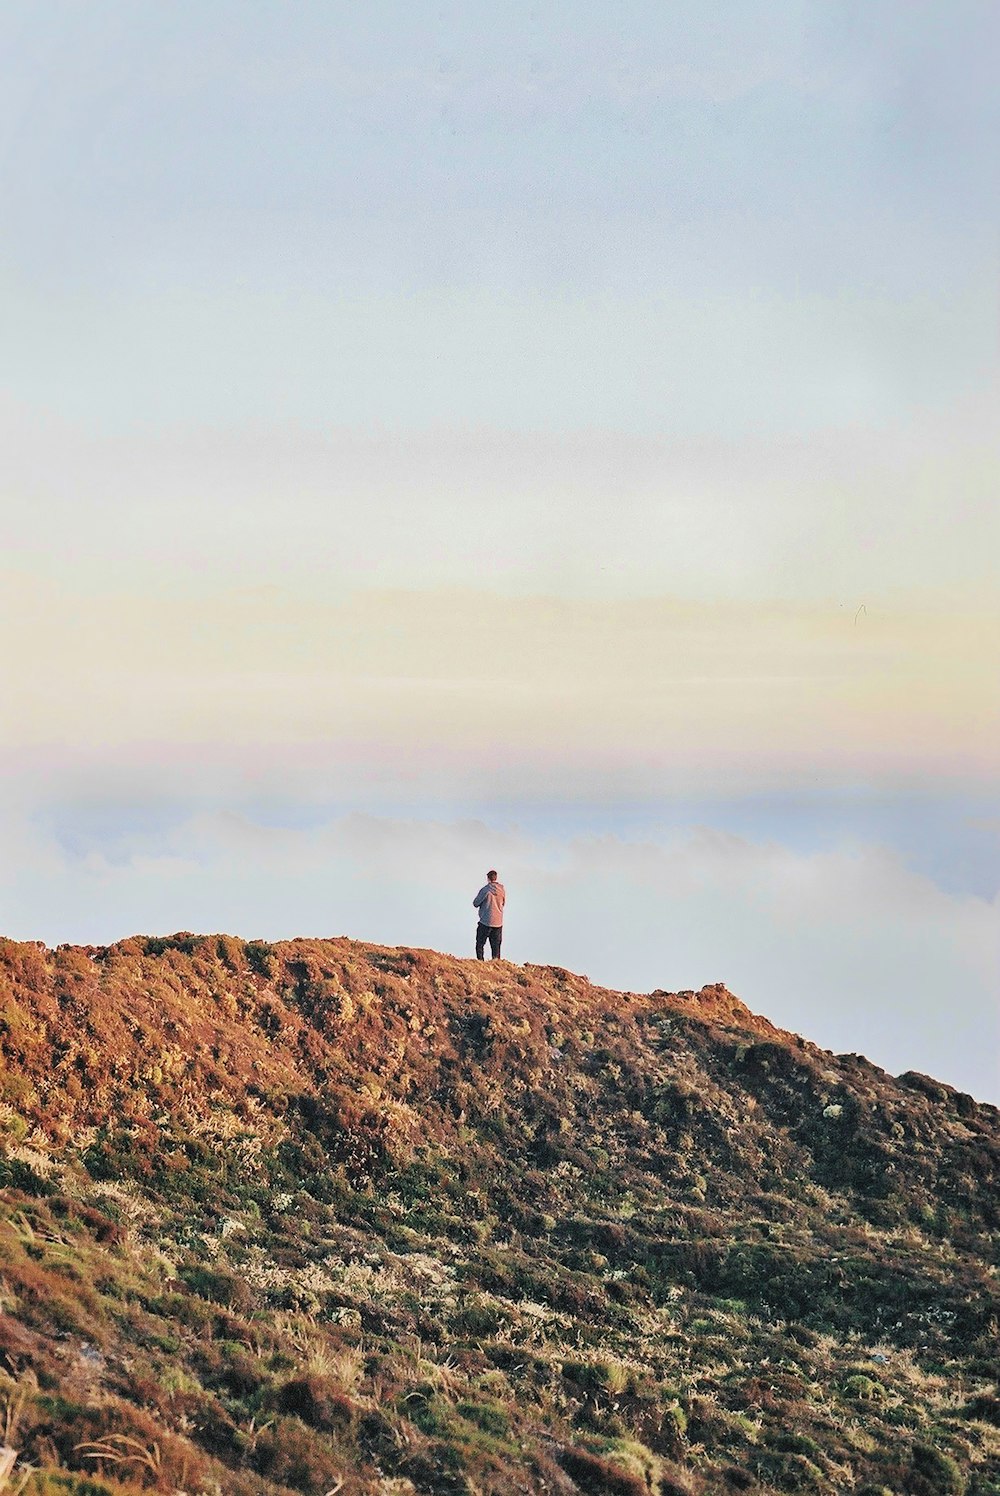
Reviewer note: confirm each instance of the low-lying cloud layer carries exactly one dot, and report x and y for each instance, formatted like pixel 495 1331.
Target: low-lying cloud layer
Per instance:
pixel 849 946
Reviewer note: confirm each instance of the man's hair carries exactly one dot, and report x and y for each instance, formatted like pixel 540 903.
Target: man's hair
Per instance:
pixel 492 873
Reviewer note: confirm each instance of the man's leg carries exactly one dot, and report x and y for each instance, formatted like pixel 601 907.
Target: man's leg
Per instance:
pixel 481 934
pixel 496 935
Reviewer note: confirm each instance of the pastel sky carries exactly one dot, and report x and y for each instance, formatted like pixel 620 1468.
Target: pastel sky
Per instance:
pixel 561 437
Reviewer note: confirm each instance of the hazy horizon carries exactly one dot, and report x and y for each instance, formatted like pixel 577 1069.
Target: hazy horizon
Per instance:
pixel 496 437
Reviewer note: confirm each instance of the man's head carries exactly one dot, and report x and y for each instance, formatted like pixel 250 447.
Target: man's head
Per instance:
pixel 492 875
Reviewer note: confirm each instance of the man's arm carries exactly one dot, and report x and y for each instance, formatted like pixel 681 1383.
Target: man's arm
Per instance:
pixel 480 899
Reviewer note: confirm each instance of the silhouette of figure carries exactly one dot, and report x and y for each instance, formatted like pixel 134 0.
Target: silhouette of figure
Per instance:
pixel 489 901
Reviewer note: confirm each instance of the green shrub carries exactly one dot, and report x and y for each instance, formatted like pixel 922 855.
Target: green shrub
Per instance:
pixel 599 1477
pixel 490 1417
pixel 478 1320
pixel 791 1472
pixel 985 1409
pixel 64 1483
pixel 14 1126
pixel 678 1418
pixel 792 1443
pixel 437 1471
pixel 863 1388
pixel 318 1401
pixel 21 1176
pixel 934 1473
pixel 260 957
pixel 431 1419
pixel 597 1376
pixel 219 1287
pixel 158 945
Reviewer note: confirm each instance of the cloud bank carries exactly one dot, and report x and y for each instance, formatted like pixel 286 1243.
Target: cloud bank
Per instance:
pixel 849 946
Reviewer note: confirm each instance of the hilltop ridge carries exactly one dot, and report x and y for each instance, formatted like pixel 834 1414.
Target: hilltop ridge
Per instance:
pixel 400 1184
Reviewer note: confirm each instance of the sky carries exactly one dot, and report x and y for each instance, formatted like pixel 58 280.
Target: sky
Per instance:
pixel 553 437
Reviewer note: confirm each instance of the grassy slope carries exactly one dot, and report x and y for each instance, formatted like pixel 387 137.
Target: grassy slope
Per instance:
pixel 323 1215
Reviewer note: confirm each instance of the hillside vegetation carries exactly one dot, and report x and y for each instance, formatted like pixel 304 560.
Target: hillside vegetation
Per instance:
pixel 323 1217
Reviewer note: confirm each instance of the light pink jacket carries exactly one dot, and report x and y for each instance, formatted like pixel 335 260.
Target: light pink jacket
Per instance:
pixel 490 901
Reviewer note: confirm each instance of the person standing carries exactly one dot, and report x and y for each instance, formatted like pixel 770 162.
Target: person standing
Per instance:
pixel 490 901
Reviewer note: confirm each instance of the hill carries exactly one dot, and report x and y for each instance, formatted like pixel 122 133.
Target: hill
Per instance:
pixel 323 1216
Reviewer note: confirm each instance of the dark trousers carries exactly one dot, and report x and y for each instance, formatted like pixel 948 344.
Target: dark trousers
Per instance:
pixel 492 933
